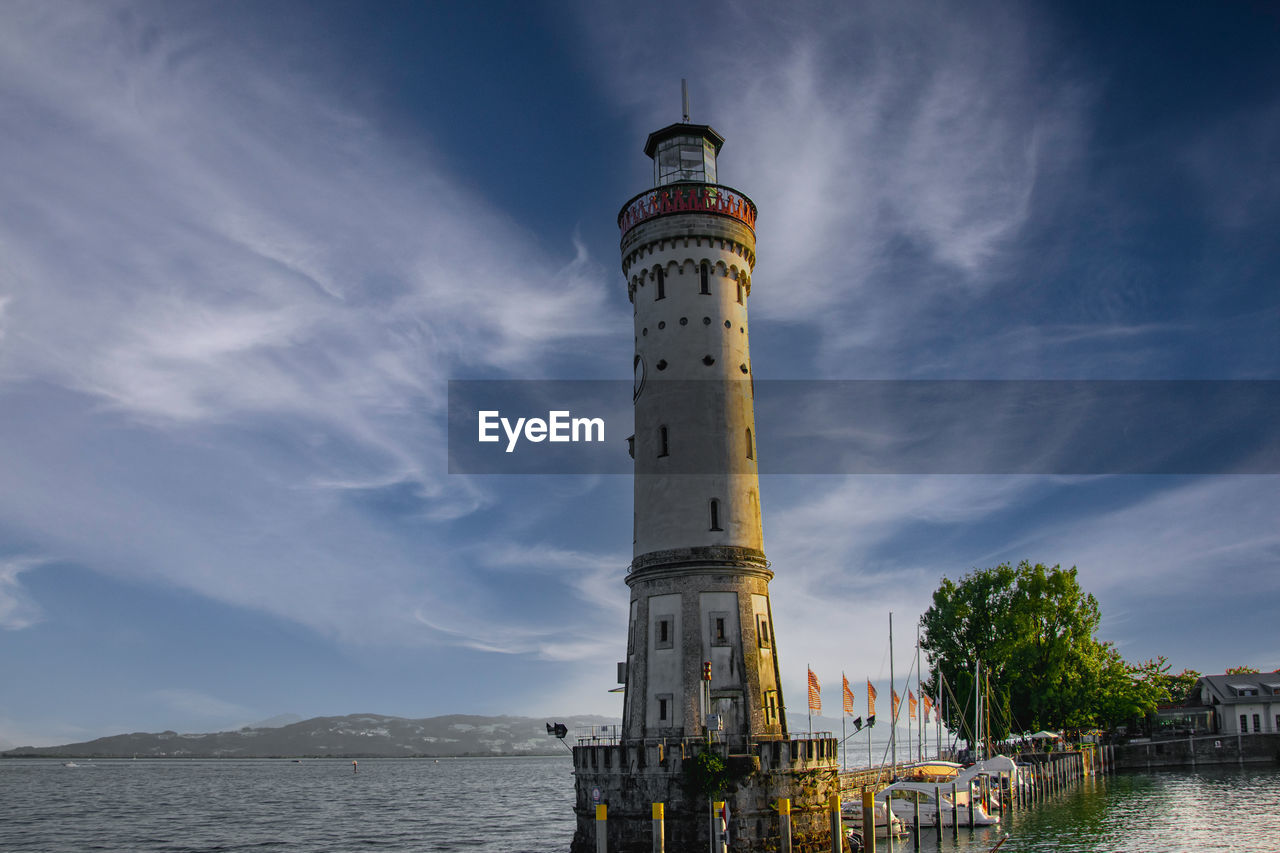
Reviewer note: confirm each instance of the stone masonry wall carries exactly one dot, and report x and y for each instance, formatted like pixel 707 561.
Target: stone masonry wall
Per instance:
pixel 1205 749
pixel 630 778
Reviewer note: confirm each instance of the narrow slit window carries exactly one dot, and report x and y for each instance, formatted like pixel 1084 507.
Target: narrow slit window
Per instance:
pixel 662 634
pixel 703 274
pixel 719 627
pixel 715 514
pixel 661 291
pixel 739 293
pixel 662 709
pixel 751 448
pixel 662 441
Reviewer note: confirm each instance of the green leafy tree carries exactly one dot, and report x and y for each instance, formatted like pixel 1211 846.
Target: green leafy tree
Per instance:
pixel 1032 627
pixel 1241 670
pixel 1178 687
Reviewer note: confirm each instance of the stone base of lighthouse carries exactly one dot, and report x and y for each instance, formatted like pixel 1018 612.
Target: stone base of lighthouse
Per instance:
pixel 629 778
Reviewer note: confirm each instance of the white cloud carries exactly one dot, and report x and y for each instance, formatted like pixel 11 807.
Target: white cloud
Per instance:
pixel 260 294
pixel 17 609
pixel 893 148
pixel 190 703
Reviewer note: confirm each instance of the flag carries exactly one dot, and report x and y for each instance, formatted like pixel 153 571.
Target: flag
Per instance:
pixel 928 705
pixel 815 693
pixel 894 702
pixel 848 695
pixel 911 702
pixel 871 699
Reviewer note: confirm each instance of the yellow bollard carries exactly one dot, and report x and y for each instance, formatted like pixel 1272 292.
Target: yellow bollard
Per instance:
pixel 837 834
pixel 659 828
pixel 602 828
pixel 868 821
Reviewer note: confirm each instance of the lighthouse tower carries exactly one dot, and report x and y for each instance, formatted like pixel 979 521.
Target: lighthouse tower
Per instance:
pixel 699 577
pixel 701 674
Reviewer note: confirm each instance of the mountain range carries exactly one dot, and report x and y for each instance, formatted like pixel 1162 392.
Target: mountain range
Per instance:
pixel 351 736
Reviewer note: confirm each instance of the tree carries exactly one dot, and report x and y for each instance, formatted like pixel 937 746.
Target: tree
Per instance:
pixel 1032 627
pixel 1179 686
pixel 1241 670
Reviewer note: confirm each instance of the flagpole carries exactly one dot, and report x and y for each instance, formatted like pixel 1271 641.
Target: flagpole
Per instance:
pixel 844 686
pixel 809 691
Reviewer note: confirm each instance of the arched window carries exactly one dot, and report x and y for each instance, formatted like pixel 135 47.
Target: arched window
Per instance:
pixel 702 274
pixel 739 293
pixel 715 514
pixel 661 291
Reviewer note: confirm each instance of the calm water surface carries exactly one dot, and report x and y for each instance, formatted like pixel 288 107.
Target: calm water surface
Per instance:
pixel 525 804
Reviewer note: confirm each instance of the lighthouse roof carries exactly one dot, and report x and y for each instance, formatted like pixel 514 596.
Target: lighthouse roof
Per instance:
pixel 682 129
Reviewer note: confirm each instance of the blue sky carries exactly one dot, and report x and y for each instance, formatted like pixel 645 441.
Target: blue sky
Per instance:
pixel 244 246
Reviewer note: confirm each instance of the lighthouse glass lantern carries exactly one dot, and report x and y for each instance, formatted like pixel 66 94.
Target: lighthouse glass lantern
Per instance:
pixel 684 152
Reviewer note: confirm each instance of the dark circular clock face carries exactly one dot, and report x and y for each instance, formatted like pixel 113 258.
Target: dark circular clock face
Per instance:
pixel 638 386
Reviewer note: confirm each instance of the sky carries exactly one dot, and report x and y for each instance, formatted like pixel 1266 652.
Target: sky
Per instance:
pixel 244 246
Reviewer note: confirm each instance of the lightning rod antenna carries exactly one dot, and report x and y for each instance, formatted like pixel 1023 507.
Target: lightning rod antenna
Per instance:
pixel 684 97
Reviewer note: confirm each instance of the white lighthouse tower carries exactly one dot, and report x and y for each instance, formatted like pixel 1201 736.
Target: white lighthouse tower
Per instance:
pixel 701 673
pixel 699 577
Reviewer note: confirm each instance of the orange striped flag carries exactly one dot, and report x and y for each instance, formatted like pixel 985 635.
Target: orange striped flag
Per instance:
pixel 848 695
pixel 871 699
pixel 911 702
pixel 928 704
pixel 815 693
pixel 894 702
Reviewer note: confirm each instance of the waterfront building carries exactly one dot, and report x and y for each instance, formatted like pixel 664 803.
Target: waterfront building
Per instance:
pixel 1228 705
pixel 701 675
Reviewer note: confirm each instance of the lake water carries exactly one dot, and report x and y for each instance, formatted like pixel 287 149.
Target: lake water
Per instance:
pixel 525 804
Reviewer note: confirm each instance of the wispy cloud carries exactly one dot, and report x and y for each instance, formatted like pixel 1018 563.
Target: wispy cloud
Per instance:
pixel 17 609
pixel 195 703
pixel 226 268
pixel 894 151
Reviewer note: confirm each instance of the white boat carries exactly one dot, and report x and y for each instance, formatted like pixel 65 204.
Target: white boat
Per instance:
pixel 851 814
pixel 902 797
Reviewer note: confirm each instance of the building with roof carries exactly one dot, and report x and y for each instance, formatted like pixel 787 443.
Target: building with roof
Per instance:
pixel 1240 704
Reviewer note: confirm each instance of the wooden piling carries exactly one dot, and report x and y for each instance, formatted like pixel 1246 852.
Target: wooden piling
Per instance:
pixel 915 827
pixel 955 813
pixel 659 828
pixel 937 812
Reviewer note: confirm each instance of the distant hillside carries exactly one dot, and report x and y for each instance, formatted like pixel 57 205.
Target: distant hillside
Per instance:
pixel 352 736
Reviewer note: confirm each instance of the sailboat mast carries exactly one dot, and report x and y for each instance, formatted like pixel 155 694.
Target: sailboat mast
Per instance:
pixel 919 700
pixel 893 715
pixel 986 681
pixel 977 707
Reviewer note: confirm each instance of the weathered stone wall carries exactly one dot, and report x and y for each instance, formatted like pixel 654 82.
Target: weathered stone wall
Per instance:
pixel 1204 749
pixel 631 778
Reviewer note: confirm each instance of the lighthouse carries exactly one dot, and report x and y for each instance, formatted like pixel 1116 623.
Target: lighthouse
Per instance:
pixel 701 680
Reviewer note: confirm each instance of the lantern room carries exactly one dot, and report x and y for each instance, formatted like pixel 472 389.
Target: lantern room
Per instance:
pixel 684 152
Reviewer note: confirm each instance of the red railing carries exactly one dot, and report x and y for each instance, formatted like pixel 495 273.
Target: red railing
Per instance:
pixel 687 197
